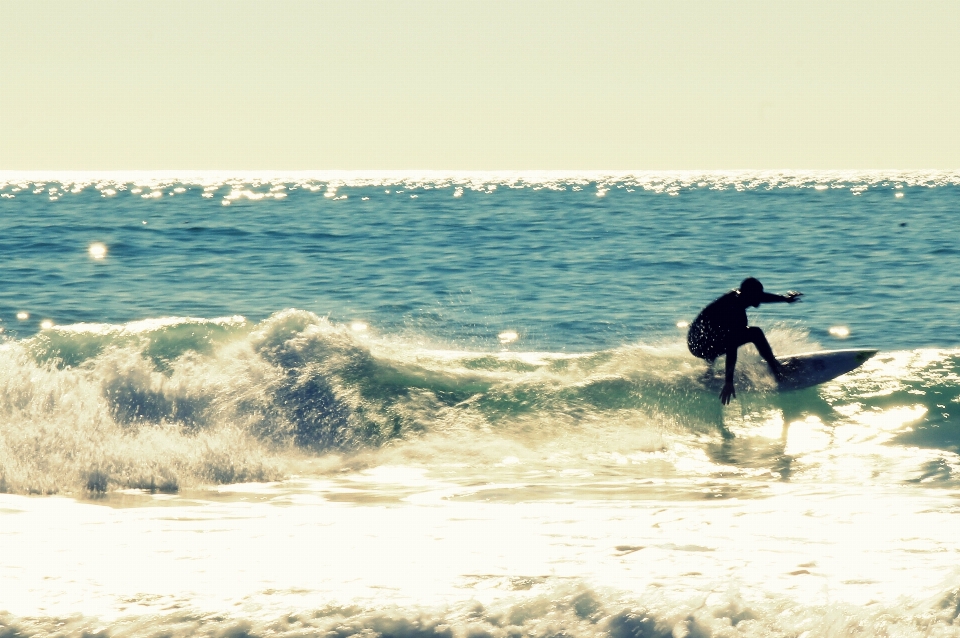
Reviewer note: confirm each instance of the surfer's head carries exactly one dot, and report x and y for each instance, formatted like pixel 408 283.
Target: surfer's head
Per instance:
pixel 750 291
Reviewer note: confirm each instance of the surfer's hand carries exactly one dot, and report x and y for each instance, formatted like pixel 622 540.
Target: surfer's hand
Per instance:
pixel 793 295
pixel 727 393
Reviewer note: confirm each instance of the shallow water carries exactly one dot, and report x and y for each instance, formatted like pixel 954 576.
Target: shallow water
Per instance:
pixel 462 406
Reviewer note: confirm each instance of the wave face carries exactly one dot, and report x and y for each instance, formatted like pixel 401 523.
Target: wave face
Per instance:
pixel 161 403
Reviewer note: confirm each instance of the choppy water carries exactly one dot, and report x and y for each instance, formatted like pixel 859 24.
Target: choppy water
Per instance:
pixel 461 405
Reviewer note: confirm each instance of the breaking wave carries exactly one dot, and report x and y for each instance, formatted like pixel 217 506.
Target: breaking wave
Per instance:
pixel 544 612
pixel 165 403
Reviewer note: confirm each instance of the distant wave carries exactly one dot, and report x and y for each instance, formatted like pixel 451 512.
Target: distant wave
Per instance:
pixel 258 185
pixel 159 403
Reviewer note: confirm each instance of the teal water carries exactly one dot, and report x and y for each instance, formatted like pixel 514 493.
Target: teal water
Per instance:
pixel 462 259
pixel 462 406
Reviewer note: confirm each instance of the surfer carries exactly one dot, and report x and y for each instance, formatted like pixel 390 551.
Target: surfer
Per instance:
pixel 721 328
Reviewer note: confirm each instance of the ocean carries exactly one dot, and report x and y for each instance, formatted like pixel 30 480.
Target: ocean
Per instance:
pixel 460 405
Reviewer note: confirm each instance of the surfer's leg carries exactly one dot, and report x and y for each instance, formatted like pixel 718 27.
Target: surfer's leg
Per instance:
pixel 755 336
pixel 703 343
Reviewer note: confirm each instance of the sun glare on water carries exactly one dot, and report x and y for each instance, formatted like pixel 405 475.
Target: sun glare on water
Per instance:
pixel 840 332
pixel 97 250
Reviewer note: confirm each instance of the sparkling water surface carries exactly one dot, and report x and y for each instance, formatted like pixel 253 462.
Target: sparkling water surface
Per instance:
pixel 574 264
pixel 461 405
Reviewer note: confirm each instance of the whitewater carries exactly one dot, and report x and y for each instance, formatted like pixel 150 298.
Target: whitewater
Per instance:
pixel 461 406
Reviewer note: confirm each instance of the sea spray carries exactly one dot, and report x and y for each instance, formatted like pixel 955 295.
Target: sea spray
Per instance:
pixel 162 404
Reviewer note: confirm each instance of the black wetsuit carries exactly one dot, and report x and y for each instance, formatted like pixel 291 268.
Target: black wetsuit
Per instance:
pixel 718 327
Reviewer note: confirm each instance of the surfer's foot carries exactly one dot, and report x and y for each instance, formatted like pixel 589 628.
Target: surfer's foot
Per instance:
pixel 777 373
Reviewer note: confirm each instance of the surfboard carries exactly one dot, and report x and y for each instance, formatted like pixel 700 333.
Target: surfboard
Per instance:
pixel 813 368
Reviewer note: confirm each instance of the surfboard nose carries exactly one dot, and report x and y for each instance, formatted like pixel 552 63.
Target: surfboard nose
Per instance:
pixel 814 368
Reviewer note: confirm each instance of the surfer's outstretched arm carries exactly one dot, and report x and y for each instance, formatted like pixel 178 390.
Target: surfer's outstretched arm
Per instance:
pixel 790 297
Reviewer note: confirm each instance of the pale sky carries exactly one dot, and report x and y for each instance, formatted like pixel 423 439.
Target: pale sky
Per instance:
pixel 479 85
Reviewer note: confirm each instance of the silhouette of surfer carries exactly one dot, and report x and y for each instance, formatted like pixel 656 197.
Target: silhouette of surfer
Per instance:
pixel 721 328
